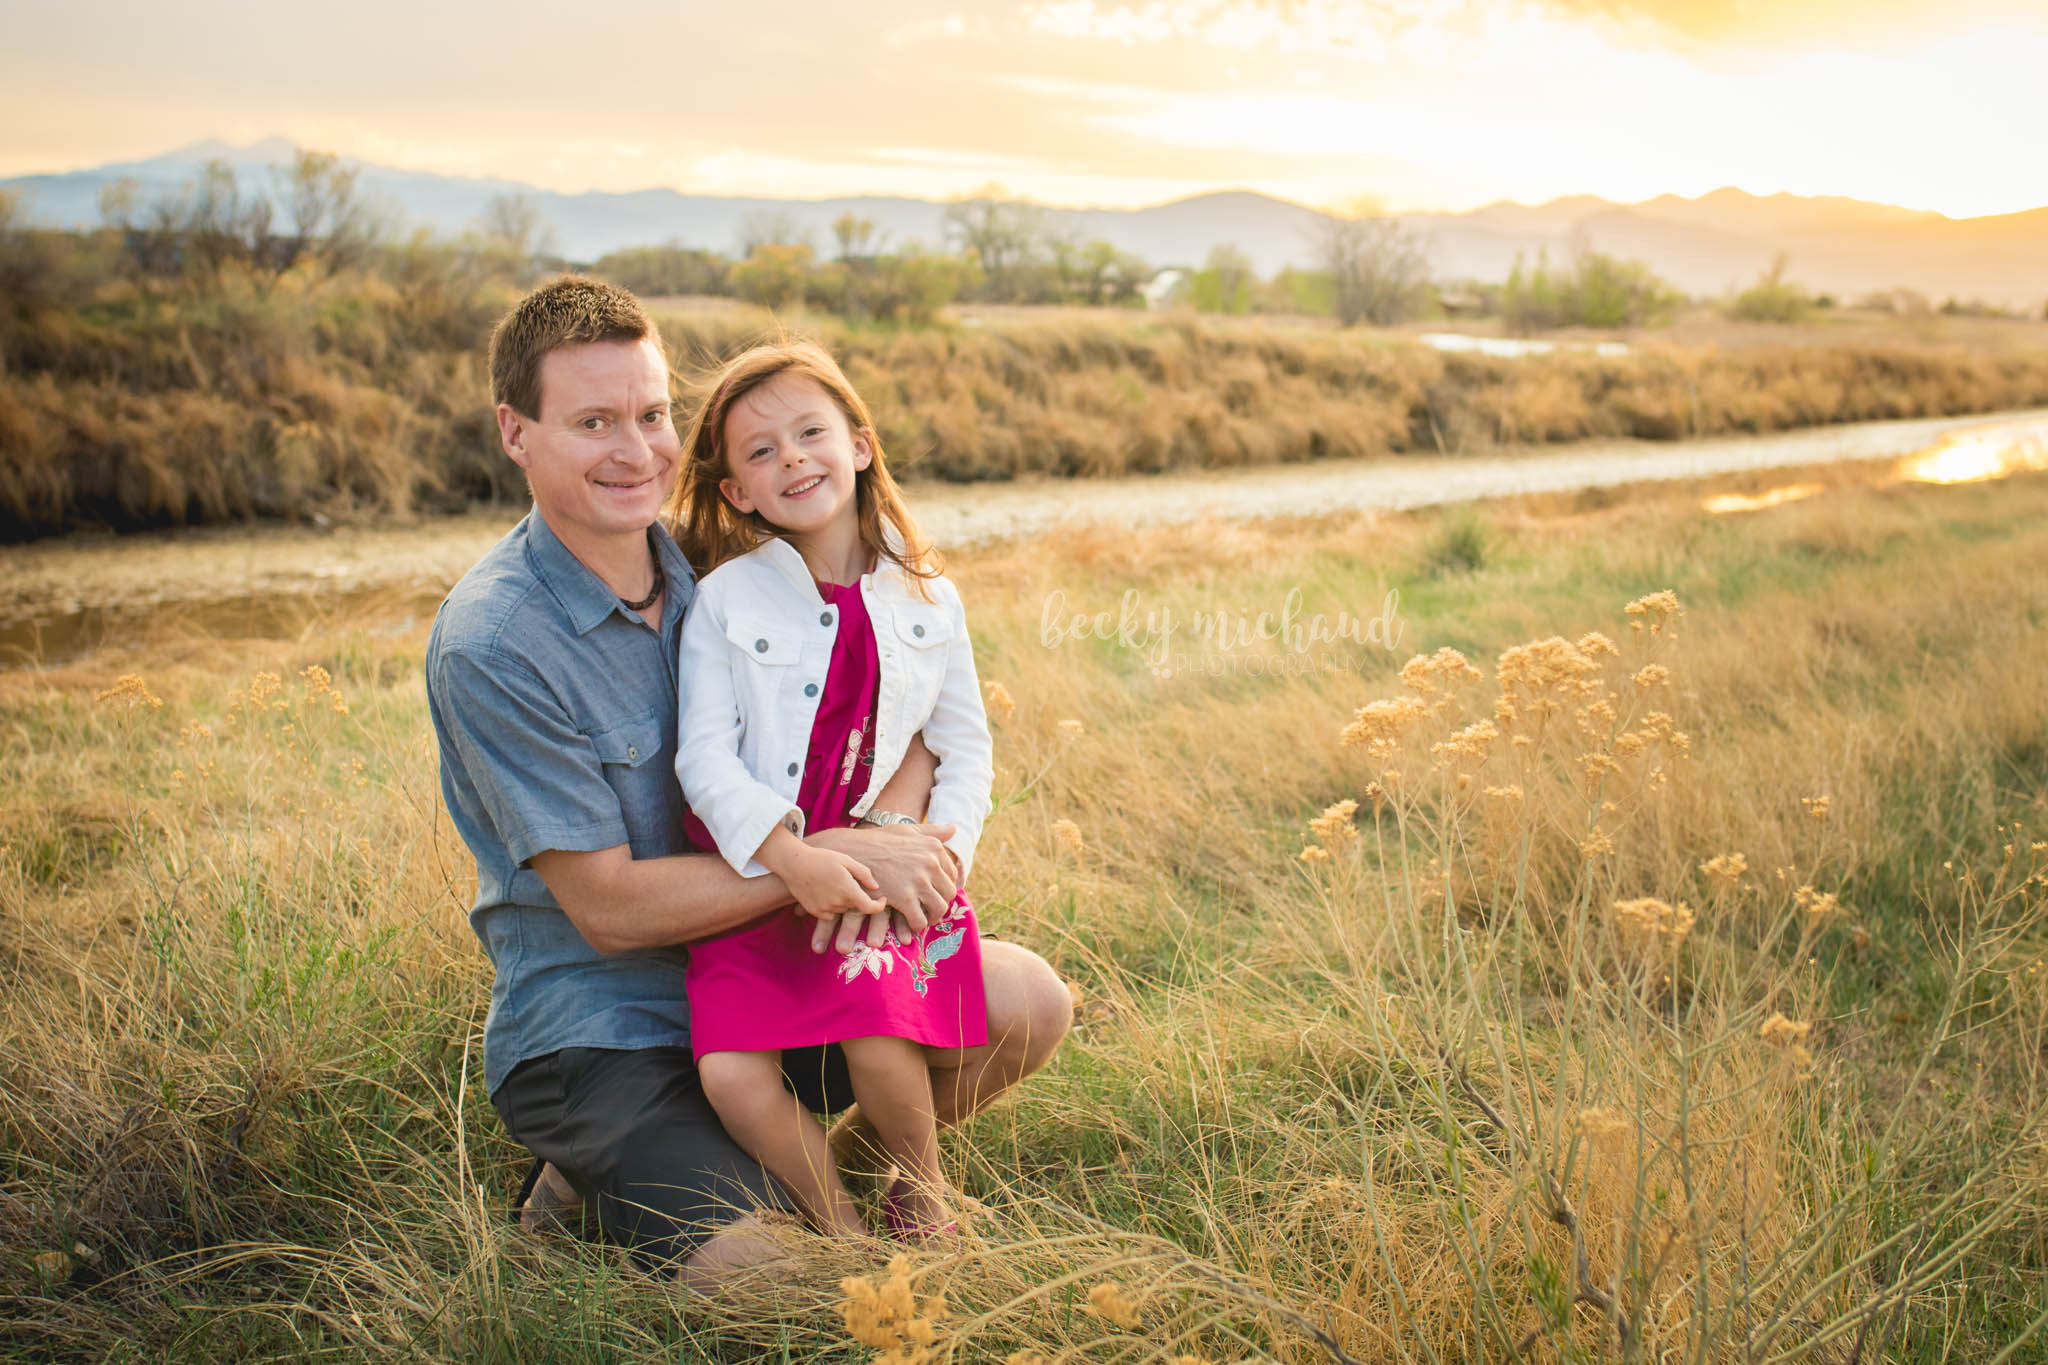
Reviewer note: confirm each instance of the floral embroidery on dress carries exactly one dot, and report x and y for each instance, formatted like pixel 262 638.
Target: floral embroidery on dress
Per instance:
pixel 873 961
pixel 941 939
pixel 852 757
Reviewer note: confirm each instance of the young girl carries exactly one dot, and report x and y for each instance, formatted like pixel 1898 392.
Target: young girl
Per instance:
pixel 821 640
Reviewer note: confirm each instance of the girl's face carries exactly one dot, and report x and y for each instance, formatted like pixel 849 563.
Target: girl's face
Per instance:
pixel 791 456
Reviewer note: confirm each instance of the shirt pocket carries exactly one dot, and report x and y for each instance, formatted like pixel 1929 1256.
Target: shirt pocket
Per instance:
pixel 631 752
pixel 922 631
pixel 764 655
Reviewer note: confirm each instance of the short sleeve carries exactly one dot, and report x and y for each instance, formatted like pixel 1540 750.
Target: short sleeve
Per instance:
pixel 535 776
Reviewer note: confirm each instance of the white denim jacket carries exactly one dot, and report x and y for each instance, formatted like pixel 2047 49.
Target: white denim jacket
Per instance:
pixel 756 645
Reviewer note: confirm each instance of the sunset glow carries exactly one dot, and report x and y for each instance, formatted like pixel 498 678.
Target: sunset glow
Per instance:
pixel 1413 105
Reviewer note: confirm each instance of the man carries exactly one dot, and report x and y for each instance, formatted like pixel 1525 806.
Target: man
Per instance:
pixel 551 676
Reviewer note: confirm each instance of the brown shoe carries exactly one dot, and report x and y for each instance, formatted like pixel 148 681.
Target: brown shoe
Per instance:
pixel 551 1203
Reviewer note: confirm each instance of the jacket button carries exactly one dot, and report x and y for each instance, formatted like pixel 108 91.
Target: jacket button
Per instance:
pixel 792 770
pixel 918 631
pixel 825 618
pixel 760 646
pixel 810 689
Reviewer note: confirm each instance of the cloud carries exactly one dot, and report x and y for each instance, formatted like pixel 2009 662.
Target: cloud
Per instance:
pixel 1798 23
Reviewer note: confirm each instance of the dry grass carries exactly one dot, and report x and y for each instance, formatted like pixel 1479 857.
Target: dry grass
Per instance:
pixel 1431 1097
pixel 358 395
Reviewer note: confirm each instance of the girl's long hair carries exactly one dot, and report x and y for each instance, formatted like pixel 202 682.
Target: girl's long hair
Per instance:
pixel 710 530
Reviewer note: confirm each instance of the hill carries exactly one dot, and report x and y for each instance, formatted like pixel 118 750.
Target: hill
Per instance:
pixel 1707 245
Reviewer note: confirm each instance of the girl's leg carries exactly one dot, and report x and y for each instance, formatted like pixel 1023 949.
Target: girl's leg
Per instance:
pixel 767 1121
pixel 892 1083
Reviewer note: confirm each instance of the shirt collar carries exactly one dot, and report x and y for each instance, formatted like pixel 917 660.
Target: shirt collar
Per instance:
pixel 583 594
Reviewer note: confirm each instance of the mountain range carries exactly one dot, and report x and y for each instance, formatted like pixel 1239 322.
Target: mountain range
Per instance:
pixel 1706 246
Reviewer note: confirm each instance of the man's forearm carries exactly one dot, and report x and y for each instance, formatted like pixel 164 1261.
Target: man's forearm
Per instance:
pixel 621 904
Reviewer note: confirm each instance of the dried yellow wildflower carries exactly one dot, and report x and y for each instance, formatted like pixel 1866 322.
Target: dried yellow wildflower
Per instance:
pixel 1471 743
pixel 1779 1031
pixel 1594 645
pixel 1333 828
pixel 194 733
pixel 1598 844
pixel 1001 705
pixel 1071 727
pixel 1657 608
pixel 1596 765
pixel 1379 724
pixel 1816 807
pixel 888 1316
pixel 1315 854
pixel 131 691
pixel 1113 1302
pixel 1547 673
pixel 1430 674
pixel 1652 675
pixel 1727 867
pixel 1511 792
pixel 1818 907
pixel 1648 923
pixel 261 689
pixel 1067 835
pixel 1027 1358
pixel 1376 794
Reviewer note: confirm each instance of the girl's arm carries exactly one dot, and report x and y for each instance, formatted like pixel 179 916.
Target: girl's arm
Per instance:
pixel 957 734
pixel 738 809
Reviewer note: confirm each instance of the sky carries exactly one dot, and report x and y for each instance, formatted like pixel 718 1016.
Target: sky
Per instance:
pixel 1404 104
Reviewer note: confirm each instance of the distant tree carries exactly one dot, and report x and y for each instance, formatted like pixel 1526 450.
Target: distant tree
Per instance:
pixel 1379 271
pixel 1002 233
pixel 1225 283
pixel 1772 298
pixel 854 234
pixel 1599 291
pixel 119 202
pixel 513 223
pixel 774 275
pixel 771 228
pixel 330 223
pixel 666 270
pixel 1610 292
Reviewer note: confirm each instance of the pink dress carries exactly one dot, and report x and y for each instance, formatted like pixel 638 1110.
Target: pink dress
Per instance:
pixel 760 987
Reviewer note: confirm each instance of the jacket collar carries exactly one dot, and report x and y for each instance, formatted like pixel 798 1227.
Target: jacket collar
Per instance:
pixel 789 562
pixel 583 595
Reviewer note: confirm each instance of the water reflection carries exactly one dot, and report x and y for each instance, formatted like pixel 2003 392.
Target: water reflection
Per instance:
pixel 1980 453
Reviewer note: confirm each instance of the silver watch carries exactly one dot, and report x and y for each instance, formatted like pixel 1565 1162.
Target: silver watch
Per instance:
pixel 879 818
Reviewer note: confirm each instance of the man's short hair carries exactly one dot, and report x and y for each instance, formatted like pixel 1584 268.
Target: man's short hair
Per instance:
pixel 571 310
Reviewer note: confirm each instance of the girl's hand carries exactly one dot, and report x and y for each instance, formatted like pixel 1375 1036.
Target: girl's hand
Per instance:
pixel 829 884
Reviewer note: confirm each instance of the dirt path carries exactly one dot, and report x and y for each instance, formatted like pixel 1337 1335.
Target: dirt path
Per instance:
pixel 63 595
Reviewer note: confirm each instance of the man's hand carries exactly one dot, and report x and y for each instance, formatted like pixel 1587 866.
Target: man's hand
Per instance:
pixel 854 928
pixel 825 882
pixel 913 869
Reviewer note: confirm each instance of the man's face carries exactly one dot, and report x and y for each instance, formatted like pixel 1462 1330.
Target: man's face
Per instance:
pixel 602 454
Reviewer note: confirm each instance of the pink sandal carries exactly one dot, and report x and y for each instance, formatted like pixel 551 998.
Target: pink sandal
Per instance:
pixel 901 1229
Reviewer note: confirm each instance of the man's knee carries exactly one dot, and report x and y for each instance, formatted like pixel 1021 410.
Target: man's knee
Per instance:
pixel 1029 1008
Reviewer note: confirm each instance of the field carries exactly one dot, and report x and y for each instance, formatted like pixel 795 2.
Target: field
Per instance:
pixel 1674 991
pixel 310 397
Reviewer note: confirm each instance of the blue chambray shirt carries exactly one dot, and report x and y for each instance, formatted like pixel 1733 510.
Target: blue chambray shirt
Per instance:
pixel 555 709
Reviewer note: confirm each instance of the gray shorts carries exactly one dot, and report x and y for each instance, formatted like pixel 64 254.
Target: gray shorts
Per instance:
pixel 634 1134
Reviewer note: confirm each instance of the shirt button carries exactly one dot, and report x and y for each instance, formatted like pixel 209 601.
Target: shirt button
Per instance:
pixel 792 770
pixel 810 689
pixel 825 618
pixel 918 631
pixel 760 646
pixel 632 753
